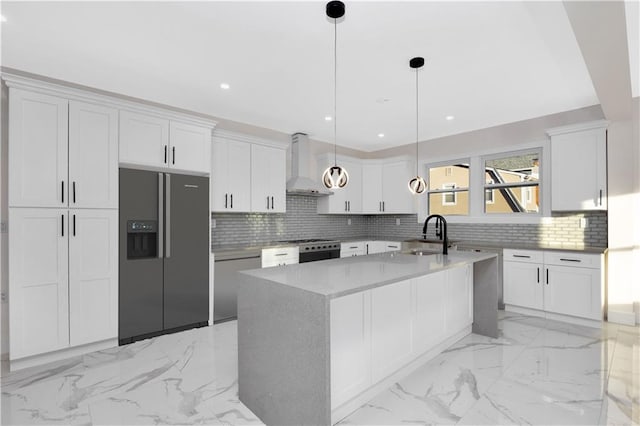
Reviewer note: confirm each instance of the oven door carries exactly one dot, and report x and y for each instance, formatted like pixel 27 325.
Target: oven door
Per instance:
pixel 319 255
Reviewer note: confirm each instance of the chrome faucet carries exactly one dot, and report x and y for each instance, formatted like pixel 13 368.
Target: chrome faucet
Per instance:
pixel 441 231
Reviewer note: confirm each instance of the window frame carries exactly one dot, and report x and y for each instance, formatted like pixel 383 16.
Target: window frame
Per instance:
pixel 452 193
pixel 448 165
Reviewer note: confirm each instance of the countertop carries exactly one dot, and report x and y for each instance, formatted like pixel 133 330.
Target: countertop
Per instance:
pixel 531 246
pixel 340 277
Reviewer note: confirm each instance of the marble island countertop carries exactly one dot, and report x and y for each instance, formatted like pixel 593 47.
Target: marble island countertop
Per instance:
pixel 339 277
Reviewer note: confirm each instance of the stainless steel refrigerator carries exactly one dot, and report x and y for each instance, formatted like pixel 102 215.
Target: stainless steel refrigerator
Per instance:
pixel 164 253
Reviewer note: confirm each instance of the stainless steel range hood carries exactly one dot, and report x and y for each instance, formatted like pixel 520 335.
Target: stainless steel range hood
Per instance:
pixel 301 183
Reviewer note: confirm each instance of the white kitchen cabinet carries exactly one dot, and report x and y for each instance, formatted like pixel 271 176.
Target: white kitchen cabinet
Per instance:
pixel 374 247
pixel 391 328
pixel 347 200
pixel 144 139
pixel 190 147
pixel 268 179
pixel 230 176
pixel 579 167
pixel 93 156
pixel 350 327
pixel 38 281
pixel 429 294
pixel 38 156
pixel 280 256
pixel 93 275
pixel 555 282
pixel 384 188
pixel 459 299
pixel 354 248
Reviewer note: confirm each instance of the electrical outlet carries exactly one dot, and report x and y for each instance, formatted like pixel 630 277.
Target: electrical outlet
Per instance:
pixel 3 227
pixel 397 221
pixel 213 223
pixel 349 221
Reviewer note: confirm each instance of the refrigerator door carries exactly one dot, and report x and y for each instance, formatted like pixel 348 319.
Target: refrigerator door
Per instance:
pixel 140 273
pixel 186 250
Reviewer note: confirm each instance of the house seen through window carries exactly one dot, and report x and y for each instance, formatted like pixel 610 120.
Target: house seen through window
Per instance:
pixel 514 181
pixel 448 189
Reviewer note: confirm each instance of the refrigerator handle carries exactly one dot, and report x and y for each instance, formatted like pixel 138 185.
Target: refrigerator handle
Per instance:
pixel 167 247
pixel 160 214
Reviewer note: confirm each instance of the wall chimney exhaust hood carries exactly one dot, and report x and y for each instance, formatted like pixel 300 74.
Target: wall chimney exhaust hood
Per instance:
pixel 301 182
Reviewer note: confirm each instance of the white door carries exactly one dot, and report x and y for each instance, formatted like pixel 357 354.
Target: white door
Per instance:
pixel 391 328
pixel 93 156
pixel 395 190
pixel 230 176
pixel 93 276
pixel 38 281
pixel 144 140
pixel 573 291
pixel 523 284
pixel 371 189
pixel 350 322
pixel 429 317
pixel 190 147
pixel 38 138
pixel 268 179
pixel 459 299
pixel 353 190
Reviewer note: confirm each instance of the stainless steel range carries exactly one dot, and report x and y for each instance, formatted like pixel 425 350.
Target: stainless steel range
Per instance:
pixel 316 249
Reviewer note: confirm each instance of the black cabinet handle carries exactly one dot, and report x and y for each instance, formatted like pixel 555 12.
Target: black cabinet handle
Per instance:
pixel 225 200
pixel 379 206
pixel 345 206
pixel 74 192
pixel 571 260
pixel 383 206
pixel 62 192
pixel 231 200
pixel 600 200
pixel 272 202
pixel 521 255
pixel 538 269
pixel 173 153
pixel 547 276
pixel 62 223
pixel 165 154
pixel 349 205
pixel 74 225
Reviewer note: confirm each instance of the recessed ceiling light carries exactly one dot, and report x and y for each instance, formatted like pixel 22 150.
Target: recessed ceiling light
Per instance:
pixel 381 135
pixel 224 86
pixel 328 118
pixel 449 117
pixel 3 18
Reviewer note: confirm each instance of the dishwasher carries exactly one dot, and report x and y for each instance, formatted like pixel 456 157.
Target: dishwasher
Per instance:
pixel 225 281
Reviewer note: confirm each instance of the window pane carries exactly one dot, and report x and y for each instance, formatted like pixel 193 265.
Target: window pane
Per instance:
pixel 457 175
pixel 450 203
pixel 518 168
pixel 524 199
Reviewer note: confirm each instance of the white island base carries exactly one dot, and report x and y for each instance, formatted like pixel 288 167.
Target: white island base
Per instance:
pixel 318 340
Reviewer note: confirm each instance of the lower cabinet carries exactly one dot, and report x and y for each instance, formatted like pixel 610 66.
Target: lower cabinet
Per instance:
pixel 279 256
pixel 63 278
pixel 557 282
pixel 357 248
pixel 377 332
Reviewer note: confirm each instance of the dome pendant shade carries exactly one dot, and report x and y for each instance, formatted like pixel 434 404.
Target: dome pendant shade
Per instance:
pixel 417 185
pixel 335 177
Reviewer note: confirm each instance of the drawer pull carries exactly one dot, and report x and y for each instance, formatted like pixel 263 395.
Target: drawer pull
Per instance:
pixel 353 247
pixel 570 260
pixel 281 254
pixel 522 255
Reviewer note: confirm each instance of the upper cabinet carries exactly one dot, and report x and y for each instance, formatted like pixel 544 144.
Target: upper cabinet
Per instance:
pixel 268 179
pixel 384 187
pixel 62 153
pixel 347 200
pixel 579 167
pixel 247 174
pixel 157 142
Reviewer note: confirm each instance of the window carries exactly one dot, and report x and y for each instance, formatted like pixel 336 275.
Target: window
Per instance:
pixel 448 188
pixel 514 180
pixel 488 194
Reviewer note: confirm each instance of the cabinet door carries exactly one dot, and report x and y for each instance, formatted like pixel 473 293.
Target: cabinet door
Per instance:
pixel 371 189
pixel 38 138
pixel 395 191
pixel 230 176
pixel 347 200
pixel 374 247
pixel 38 281
pixel 391 328
pixel 144 140
pixel 93 276
pixel 573 291
pixel 350 322
pixel 268 179
pixel 459 299
pixel 429 295
pixel 579 181
pixel 190 147
pixel 93 156
pixel 392 246
pixel 523 284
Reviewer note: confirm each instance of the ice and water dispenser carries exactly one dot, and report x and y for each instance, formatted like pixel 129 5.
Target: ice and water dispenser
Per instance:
pixel 142 239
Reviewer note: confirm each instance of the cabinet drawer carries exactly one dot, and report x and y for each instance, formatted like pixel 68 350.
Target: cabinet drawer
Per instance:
pixel 354 246
pixel 576 260
pixel 529 256
pixel 279 255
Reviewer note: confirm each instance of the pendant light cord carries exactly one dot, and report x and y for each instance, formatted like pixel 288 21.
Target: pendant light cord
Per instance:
pixel 417 174
pixel 335 90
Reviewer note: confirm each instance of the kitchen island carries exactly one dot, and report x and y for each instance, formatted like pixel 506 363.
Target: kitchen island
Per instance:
pixel 317 340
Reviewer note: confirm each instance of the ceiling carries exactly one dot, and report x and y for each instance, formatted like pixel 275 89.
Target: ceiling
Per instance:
pixel 487 63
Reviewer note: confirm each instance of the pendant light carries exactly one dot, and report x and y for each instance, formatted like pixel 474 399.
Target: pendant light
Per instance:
pixel 417 185
pixel 335 177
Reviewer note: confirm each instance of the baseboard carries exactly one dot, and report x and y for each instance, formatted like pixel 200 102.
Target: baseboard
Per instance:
pixel 622 317
pixel 552 316
pixel 356 402
pixel 35 360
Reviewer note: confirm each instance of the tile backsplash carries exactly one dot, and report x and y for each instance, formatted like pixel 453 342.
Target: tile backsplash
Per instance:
pixel 301 221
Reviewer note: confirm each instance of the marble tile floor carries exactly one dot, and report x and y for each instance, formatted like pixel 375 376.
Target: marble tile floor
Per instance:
pixel 537 372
